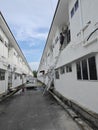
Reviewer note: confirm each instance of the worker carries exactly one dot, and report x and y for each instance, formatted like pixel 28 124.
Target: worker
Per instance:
pixel 61 40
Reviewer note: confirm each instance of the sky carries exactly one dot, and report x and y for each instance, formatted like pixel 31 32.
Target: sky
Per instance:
pixel 29 21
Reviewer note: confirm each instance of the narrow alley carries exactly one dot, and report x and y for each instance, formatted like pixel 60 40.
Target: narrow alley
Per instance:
pixel 30 110
pixel 49 65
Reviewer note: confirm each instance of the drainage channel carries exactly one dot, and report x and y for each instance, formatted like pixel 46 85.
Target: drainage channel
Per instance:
pixel 82 124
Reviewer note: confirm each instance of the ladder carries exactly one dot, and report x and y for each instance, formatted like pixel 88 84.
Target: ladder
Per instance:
pixel 51 74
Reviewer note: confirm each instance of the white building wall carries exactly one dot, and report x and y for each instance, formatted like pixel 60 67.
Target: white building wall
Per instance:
pixel 17 63
pixel 89 14
pixel 82 24
pixel 24 79
pixel 75 22
pixel 51 55
pixel 75 51
pixel 80 91
pixel 3 45
pixel 83 92
pixel 12 59
pixel 16 82
pixel 3 61
pixel 56 45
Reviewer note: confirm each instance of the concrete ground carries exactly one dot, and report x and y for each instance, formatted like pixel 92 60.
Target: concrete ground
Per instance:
pixel 30 110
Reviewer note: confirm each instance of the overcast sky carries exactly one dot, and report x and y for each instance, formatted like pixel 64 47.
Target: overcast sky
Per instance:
pixel 29 21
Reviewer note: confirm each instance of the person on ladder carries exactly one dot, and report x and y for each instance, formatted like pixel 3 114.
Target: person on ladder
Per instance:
pixel 61 40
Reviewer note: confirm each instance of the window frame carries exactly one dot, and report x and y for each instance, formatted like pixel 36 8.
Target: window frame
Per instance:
pixel 2 75
pixel 57 74
pixel 72 12
pixel 76 6
pixel 62 70
pixel 68 68
pixel 78 65
pixel 85 72
pixel 88 69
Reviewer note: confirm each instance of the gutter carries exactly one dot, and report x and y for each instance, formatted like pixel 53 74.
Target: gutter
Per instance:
pixel 87 120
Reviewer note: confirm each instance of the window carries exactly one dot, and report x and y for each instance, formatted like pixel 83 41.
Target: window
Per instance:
pixel 72 12
pixel 78 66
pixel 86 69
pixel 74 9
pixel 92 68
pixel 2 75
pixel 76 5
pixel 62 70
pixel 57 74
pixel 68 68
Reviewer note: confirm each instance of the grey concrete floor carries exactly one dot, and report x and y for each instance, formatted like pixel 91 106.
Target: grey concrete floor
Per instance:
pixel 32 111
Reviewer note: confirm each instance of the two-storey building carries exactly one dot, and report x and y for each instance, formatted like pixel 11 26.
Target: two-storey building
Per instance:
pixel 13 65
pixel 76 62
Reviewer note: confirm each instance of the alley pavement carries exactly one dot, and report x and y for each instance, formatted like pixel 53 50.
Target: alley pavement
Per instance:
pixel 30 110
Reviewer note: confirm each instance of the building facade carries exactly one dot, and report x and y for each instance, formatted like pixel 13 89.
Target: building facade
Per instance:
pixel 76 61
pixel 14 68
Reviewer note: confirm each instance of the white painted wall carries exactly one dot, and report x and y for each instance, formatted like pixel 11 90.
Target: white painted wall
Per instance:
pixel 79 22
pixel 75 51
pixel 83 92
pixel 11 57
pixel 89 14
pixel 24 78
pixel 3 61
pixel 3 47
pixel 50 60
pixel 75 22
pixel 81 47
pixel 16 82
